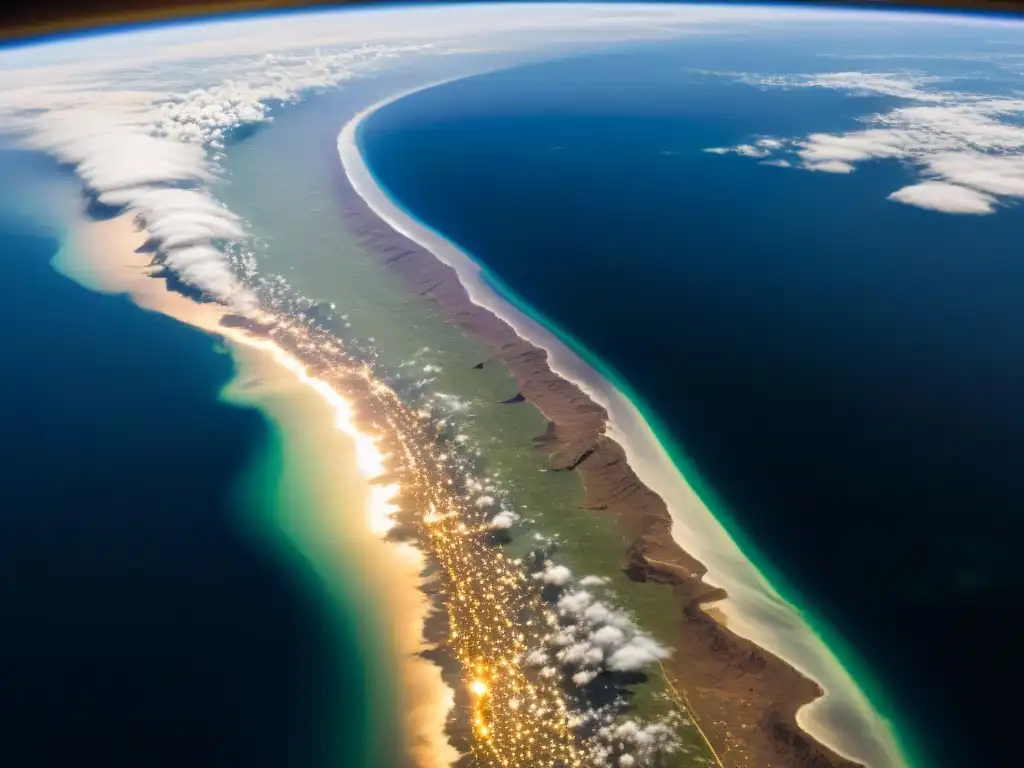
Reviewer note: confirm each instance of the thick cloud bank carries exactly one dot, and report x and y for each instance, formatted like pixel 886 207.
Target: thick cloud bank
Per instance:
pixel 153 153
pixel 136 133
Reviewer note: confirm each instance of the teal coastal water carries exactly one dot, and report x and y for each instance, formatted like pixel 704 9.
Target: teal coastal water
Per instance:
pixel 154 608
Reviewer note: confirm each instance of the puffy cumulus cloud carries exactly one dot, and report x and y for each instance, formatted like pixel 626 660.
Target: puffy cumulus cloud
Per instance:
pixel 574 603
pixel 633 742
pixel 991 174
pixel 205 115
pixel 556 575
pixel 636 653
pixel 590 639
pixel 967 147
pixel 536 658
pixel 598 636
pixel 600 613
pixel 584 677
pixel 624 741
pixel 945 197
pixel 749 150
pixel 609 637
pixel 503 521
pixel 830 166
pixel 823 148
pixel 577 654
pixel 484 500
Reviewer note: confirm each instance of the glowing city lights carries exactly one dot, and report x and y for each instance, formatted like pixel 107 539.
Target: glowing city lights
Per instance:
pixel 495 613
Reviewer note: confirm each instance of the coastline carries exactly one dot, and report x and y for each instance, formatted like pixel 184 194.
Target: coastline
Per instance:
pixel 327 462
pixel 729 614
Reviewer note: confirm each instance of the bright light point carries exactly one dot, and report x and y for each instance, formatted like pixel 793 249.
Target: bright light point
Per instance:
pixel 478 687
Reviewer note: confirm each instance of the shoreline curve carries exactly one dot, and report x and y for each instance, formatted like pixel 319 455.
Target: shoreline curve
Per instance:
pixel 596 429
pixel 109 256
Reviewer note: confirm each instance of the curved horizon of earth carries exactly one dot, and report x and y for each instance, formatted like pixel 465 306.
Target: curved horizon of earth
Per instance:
pixel 790 316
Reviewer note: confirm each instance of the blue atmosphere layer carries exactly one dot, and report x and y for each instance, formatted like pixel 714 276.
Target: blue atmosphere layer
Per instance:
pixel 190 18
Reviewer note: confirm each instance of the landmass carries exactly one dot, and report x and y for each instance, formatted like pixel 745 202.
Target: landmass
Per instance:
pixel 744 698
pixel 109 255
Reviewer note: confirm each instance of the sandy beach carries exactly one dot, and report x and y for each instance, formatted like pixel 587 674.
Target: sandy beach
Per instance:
pixel 329 467
pixel 748 660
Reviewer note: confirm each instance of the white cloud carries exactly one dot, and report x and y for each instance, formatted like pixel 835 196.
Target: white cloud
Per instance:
pixel 503 521
pixel 944 197
pixel 994 174
pixel 557 575
pixel 141 142
pixel 820 148
pixel 584 677
pixel 608 637
pixel 574 654
pixel 901 84
pixel 830 166
pixel 967 147
pixel 749 150
pixel 574 603
pixel 602 636
pixel 637 653
pixel 130 131
pixel 536 658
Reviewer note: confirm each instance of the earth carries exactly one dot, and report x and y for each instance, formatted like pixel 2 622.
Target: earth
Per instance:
pixel 576 598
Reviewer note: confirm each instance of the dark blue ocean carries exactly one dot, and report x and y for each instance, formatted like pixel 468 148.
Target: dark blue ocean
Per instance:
pixel 149 617
pixel 843 372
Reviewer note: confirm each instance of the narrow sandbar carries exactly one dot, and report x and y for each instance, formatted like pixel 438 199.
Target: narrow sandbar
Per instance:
pixel 599 431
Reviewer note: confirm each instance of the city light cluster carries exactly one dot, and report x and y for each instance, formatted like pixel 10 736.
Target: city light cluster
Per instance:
pixel 495 612
pixel 531 641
